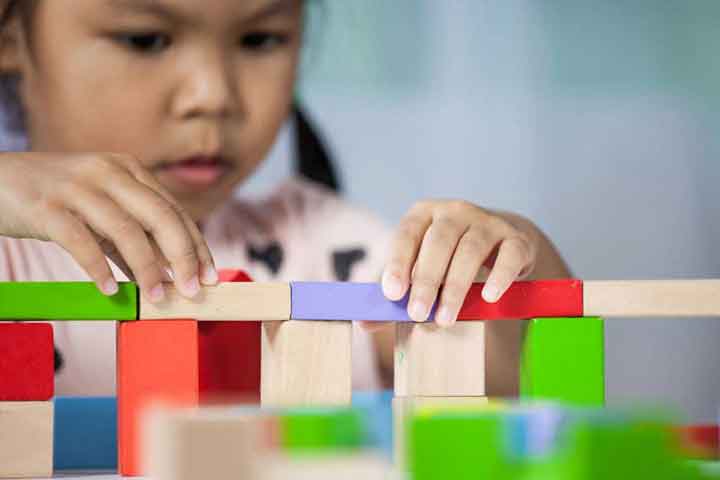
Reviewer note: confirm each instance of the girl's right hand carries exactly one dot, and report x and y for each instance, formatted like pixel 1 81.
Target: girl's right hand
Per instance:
pixel 95 205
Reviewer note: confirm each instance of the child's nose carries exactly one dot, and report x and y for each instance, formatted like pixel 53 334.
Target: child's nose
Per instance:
pixel 207 87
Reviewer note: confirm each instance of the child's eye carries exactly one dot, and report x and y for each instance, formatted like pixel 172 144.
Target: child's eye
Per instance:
pixel 145 42
pixel 262 41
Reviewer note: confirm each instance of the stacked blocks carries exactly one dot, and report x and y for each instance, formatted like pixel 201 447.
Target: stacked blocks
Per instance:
pixel 181 363
pixel 26 390
pixel 290 345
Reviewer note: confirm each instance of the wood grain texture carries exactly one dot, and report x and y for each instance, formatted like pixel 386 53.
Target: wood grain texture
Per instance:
pixel 652 298
pixel 26 439
pixel 306 363
pixel 226 301
pixel 440 362
pixel 213 444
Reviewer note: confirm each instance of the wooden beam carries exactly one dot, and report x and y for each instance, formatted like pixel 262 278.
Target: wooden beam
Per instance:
pixel 243 301
pixel 652 298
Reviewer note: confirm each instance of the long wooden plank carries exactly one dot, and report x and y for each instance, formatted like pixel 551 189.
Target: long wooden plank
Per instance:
pixel 66 301
pixel 652 298
pixel 226 301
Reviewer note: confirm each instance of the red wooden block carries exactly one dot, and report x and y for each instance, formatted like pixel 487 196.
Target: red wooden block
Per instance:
pixel 540 298
pixel 157 362
pixel 229 352
pixel 27 362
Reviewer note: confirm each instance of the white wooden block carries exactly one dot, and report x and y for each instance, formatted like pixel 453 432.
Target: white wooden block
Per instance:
pixel 208 443
pixel 306 363
pixel 236 301
pixel 651 298
pixel 350 466
pixel 440 362
pixel 26 439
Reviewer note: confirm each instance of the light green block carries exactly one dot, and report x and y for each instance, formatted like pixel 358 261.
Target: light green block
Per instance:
pixel 66 301
pixel 564 360
pixel 320 429
pixel 458 446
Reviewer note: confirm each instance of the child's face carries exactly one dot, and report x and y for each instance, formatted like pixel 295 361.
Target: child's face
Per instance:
pixel 196 90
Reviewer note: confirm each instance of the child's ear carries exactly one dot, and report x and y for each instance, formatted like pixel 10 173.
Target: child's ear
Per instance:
pixel 10 45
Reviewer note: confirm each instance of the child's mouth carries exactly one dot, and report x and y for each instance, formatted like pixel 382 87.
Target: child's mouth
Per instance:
pixel 196 172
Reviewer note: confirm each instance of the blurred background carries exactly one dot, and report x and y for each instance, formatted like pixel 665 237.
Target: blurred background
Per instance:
pixel 598 120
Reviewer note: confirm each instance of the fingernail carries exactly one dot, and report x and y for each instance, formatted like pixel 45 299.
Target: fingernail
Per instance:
pixel 444 317
pixel 192 287
pixel 491 293
pixel 209 275
pixel 169 277
pixel 418 311
pixel 109 287
pixel 157 293
pixel 392 286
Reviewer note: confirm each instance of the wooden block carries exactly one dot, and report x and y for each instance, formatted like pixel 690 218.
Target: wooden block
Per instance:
pixel 191 445
pixel 26 361
pixel 526 299
pixel 404 407
pixel 652 298
pixel 440 362
pixel 157 362
pixel 366 301
pixel 564 360
pixel 306 363
pixel 226 302
pixel 332 466
pixel 229 367
pixel 65 301
pixel 26 439
pixel 85 433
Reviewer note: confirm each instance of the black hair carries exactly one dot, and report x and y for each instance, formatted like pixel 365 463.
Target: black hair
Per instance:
pixel 313 159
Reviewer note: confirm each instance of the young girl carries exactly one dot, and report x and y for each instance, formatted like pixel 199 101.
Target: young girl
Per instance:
pixel 143 116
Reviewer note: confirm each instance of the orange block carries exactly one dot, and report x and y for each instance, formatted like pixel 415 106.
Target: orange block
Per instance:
pixel 157 362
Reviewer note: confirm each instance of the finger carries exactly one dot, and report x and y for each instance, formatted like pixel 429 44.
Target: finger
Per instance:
pixel 113 254
pixel 432 262
pixel 405 247
pixel 75 237
pixel 110 221
pixel 208 274
pixel 472 250
pixel 513 256
pixel 163 223
pixel 374 326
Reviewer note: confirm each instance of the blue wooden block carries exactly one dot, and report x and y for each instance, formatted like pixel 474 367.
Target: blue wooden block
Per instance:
pixel 345 301
pixel 85 433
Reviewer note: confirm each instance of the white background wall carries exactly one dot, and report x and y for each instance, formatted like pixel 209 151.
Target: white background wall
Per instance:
pixel 596 119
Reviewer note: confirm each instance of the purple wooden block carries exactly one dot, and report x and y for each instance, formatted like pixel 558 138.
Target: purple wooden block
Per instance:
pixel 345 301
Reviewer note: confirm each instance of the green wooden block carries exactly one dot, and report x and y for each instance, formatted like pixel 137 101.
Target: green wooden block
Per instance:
pixel 621 449
pixel 318 429
pixel 564 360
pixel 66 301
pixel 459 446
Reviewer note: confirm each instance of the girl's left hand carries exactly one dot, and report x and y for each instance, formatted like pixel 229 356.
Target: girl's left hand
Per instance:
pixel 446 243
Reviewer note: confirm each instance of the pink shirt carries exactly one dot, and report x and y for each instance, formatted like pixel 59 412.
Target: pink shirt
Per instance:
pixel 300 231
